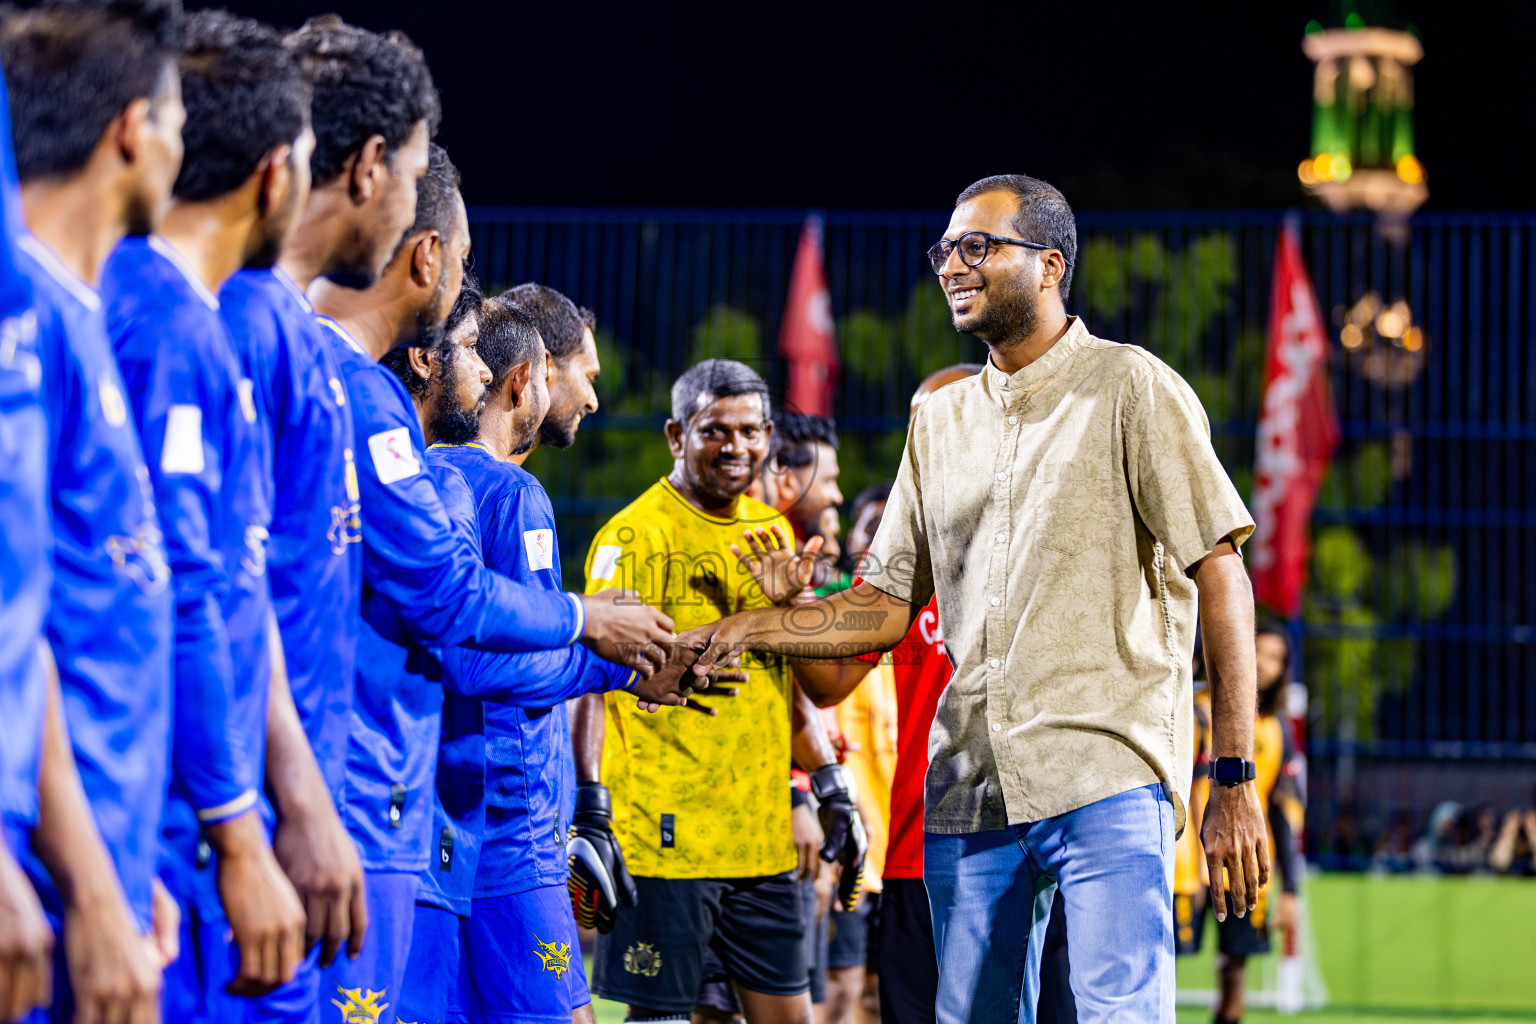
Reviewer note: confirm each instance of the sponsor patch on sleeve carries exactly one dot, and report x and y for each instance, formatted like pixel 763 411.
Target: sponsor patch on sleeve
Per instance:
pixel 247 391
pixel 393 457
pixel 540 545
pixel 606 562
pixel 183 448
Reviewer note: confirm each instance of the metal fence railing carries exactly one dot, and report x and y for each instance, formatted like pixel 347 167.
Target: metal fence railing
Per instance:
pixel 1420 618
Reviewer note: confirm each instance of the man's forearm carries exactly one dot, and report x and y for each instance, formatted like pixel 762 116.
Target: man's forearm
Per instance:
pixel 810 746
pixel 294 781
pixel 862 620
pixel 588 730
pixel 66 839
pixel 1226 623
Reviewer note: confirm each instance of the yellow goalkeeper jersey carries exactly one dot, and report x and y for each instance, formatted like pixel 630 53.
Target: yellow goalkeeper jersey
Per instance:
pixel 695 796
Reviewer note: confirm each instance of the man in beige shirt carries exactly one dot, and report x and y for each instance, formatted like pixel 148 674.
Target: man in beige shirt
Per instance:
pixel 1068 510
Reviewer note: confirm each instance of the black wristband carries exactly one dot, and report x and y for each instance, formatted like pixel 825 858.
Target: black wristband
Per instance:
pixel 593 798
pixel 798 797
pixel 1232 771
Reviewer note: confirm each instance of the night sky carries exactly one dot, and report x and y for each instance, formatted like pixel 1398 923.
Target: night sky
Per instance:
pixel 900 105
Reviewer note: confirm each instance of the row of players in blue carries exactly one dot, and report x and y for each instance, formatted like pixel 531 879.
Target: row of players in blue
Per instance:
pixel 235 580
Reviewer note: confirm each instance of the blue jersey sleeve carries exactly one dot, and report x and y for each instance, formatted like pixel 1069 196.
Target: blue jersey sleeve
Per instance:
pixel 536 679
pixel 179 418
pixel 415 559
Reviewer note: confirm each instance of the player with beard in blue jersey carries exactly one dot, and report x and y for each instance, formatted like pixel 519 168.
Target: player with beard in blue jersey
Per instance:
pixel 206 444
pixel 96 112
pixel 26 944
pixel 424 584
pixel 373 107
pixel 520 805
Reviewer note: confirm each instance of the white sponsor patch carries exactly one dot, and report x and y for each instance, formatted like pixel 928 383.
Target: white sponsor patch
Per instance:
pixel 606 562
pixel 247 391
pixel 393 458
pixel 183 449
pixel 113 409
pixel 540 545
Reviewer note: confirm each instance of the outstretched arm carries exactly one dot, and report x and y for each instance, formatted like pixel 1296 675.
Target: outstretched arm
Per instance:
pixel 857 621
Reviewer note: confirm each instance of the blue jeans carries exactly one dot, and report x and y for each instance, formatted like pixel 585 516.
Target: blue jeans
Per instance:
pixel 991 894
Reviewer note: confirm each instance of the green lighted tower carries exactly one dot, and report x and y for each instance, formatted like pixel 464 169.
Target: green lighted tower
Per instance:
pixel 1362 120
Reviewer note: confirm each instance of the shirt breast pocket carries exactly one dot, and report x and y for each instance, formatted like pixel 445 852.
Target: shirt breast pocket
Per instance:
pixel 1073 503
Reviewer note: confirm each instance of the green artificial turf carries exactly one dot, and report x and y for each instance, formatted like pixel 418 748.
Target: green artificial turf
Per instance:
pixel 1397 950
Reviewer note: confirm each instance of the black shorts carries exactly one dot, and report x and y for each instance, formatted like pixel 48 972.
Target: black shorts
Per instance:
pixel 655 955
pixel 848 935
pixel 906 962
pixel 1236 936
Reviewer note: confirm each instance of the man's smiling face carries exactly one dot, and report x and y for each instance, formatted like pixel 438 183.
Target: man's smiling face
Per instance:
pixel 997 299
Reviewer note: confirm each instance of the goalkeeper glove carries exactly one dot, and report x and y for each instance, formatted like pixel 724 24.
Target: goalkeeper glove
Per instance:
pixel 599 882
pixel 845 840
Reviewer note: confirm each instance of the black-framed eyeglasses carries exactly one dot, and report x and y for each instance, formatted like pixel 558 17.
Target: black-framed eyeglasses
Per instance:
pixel 974 247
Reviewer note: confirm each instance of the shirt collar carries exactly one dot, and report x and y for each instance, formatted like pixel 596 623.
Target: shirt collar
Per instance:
pixel 1006 387
pixel 293 288
pixel 55 268
pixel 167 250
pixel 341 332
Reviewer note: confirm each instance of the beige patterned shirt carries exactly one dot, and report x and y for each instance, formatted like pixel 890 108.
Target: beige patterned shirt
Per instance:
pixel 1054 512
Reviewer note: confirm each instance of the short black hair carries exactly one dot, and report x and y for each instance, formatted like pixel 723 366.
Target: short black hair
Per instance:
pixel 868 496
pixel 1043 216
pixel 720 378
pixel 588 318
pixel 437 193
pixel 508 336
pixel 796 434
pixel 73 67
pixel 245 95
pixel 558 318
pixel 468 304
pixel 365 84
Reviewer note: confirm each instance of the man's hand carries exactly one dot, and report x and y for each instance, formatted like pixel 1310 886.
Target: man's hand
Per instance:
pixel 845 839
pixel 1236 851
pixel 674 684
pixel 771 559
pixel 165 926
pixel 627 632
pixel 1285 912
pixel 808 837
pixel 264 911
pixel 599 883
pixel 111 970
pixel 321 861
pixel 26 945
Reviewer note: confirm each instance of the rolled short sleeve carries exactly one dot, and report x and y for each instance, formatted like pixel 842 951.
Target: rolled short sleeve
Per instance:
pixel 898 562
pixel 1181 490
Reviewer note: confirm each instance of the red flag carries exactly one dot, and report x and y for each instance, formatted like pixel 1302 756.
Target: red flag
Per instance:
pixel 806 340
pixel 1298 432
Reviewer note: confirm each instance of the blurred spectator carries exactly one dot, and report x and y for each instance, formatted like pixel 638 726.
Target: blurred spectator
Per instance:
pixel 1394 850
pixel 1434 848
pixel 1514 851
pixel 1343 848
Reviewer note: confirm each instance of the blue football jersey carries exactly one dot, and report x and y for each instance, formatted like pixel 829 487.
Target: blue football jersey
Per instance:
pixel 527 744
pixel 111 617
pixel 314 555
pixel 425 586
pixel 525 690
pixel 204 441
pixel 24 529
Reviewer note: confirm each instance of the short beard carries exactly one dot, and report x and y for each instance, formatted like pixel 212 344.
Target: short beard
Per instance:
pixel 557 433
pixel 525 444
pixel 450 423
pixel 355 267
pixel 1012 312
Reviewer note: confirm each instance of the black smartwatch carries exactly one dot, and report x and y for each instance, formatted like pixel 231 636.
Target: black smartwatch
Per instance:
pixel 1232 771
